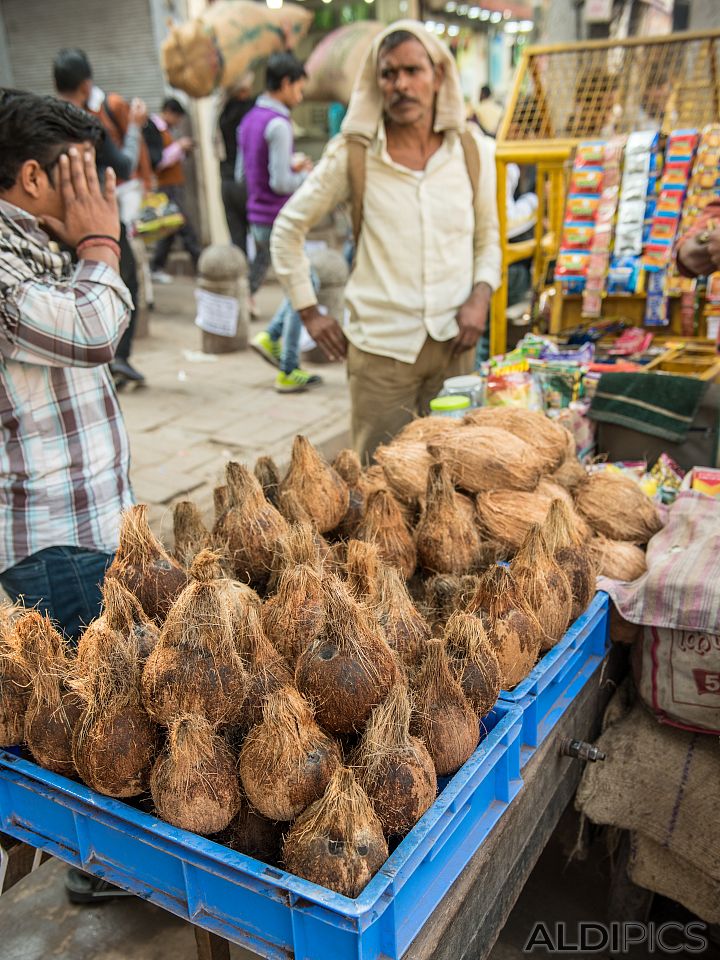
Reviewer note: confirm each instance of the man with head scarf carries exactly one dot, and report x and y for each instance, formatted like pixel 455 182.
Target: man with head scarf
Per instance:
pixel 422 191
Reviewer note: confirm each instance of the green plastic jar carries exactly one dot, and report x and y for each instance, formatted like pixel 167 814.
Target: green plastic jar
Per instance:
pixel 456 405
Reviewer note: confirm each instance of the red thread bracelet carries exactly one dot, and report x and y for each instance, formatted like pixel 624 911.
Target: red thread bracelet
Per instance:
pixel 98 242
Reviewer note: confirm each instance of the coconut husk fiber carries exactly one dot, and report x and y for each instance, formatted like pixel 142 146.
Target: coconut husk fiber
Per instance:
pixel 349 668
pixel 320 489
pixel 195 667
pixel 405 628
pixel 481 459
pixel 385 526
pixel 190 533
pixel 474 661
pixel 268 476
pixel 427 430
pixel 194 782
pixel 53 708
pixel 571 551
pixel 394 768
pixel 338 842
pixel 547 438
pixel 444 719
pixel 145 567
pixel 406 465
pixel 268 670
pixel 347 465
pixel 222 501
pixel 544 585
pixel 505 516
pixel 616 507
pixel 286 760
pixel 362 571
pixel 445 594
pixel 511 627
pixel 659 781
pixel 569 474
pixel 446 538
pixel 251 528
pixel 618 559
pixel 14 681
pixel 295 615
pixel 122 612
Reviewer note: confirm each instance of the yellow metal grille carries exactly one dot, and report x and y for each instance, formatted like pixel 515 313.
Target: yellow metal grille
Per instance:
pixel 576 91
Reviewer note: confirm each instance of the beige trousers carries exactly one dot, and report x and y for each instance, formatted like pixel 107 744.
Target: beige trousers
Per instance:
pixel 386 394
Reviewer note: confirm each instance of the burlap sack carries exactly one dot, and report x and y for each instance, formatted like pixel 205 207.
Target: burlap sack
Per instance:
pixel 661 782
pixel 653 867
pixel 231 37
pixel 336 61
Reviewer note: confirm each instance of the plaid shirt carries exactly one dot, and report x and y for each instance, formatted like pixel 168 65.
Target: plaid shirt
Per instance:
pixel 64 452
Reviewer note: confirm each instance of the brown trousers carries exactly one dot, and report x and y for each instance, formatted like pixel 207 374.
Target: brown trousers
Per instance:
pixel 386 394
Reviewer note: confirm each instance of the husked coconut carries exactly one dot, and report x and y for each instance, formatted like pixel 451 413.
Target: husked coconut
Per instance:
pixel 14 681
pixel 545 586
pixel 347 466
pixel 320 489
pixel 446 537
pixel 190 533
pixel 385 526
pixel 571 553
pixel 615 506
pixel 268 476
pixel 474 661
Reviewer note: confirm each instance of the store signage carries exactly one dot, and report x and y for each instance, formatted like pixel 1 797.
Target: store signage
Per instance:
pixel 598 11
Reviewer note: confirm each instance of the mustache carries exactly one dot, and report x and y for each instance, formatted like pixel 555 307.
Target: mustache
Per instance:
pixel 401 98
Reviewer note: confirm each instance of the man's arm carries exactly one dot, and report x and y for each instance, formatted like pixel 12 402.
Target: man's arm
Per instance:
pixel 76 322
pixel 278 135
pixel 699 255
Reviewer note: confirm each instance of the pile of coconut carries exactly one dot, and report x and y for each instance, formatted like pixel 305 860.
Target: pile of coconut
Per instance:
pixel 293 677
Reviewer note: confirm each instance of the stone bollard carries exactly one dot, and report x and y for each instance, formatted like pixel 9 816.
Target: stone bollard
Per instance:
pixel 222 270
pixel 332 270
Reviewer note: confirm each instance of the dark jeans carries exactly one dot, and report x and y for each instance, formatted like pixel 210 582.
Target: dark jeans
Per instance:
pixel 259 267
pixel 128 273
pixel 63 582
pixel 186 233
pixel 234 198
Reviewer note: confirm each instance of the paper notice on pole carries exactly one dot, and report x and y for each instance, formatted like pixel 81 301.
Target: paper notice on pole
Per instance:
pixel 216 313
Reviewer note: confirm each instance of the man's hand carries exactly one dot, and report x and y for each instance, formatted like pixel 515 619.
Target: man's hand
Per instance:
pixel 186 144
pixel 138 112
pixel 714 248
pixel 87 210
pixel 472 319
pixel 701 259
pixel 325 331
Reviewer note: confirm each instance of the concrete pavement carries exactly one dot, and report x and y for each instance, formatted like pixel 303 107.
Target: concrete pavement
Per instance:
pixel 198 411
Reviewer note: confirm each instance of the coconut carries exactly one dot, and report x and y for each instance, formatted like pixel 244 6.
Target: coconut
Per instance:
pixel 121 612
pixel 446 537
pixel 444 720
pixel 268 476
pixel 251 527
pixel 295 616
pixel 222 502
pixel 618 559
pixel 406 467
pixel 544 585
pixel 406 630
pixel 395 769
pixel 505 516
pixel 373 478
pixel 348 467
pixel 512 629
pixel 254 835
pixel 616 507
pixel 14 681
pixel 427 430
pixel 145 567
pixel 547 438
pixel 115 741
pixel 194 782
pixel 195 666
pixel 569 474
pixel 481 459
pixel 53 708
pixel 473 660
pixel 565 544
pixel 384 526
pixel 446 594
pixel 191 534
pixel 349 668
pixel 320 489
pixel 337 843
pixel 362 569
pixel 286 761
pixel 268 670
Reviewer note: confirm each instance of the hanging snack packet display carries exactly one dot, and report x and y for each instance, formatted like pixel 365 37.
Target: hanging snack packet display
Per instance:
pixel 601 244
pixel 638 187
pixel 665 223
pixel 586 184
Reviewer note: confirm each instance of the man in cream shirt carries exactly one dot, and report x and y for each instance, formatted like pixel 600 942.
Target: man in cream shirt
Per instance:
pixel 428 251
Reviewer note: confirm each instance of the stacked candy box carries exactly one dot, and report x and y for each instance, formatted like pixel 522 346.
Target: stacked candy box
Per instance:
pixel 586 184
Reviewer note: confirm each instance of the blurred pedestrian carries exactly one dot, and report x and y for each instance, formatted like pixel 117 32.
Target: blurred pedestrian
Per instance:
pixel 265 156
pixel 236 103
pixel 167 155
pixel 121 150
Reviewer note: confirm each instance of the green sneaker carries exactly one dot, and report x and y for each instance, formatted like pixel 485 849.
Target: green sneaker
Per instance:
pixel 296 382
pixel 269 349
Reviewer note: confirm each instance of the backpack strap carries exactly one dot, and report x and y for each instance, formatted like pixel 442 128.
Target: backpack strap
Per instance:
pixel 356 160
pixel 471 152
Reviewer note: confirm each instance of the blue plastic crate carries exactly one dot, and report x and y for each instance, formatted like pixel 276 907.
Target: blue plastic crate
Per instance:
pixel 553 684
pixel 263 908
